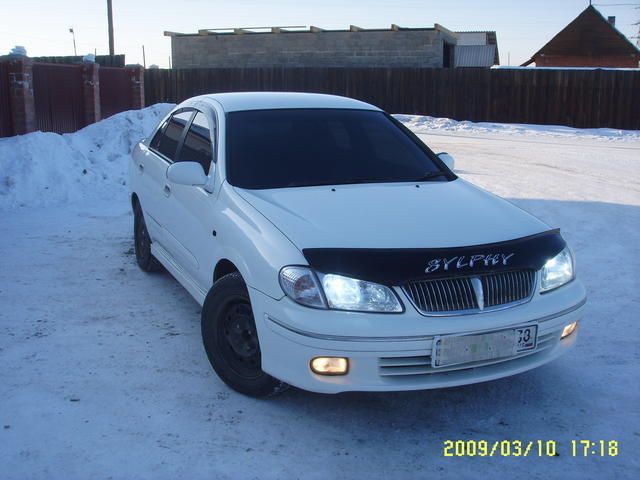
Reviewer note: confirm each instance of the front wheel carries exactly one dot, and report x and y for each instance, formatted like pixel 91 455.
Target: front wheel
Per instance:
pixel 142 243
pixel 231 340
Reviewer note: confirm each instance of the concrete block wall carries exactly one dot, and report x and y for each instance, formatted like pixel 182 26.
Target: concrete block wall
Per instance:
pixel 417 48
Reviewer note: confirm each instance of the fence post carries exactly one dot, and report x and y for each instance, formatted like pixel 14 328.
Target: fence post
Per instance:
pixel 91 92
pixel 136 73
pixel 23 110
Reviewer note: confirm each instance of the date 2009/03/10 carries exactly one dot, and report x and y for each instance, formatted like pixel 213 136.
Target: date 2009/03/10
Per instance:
pixel 528 448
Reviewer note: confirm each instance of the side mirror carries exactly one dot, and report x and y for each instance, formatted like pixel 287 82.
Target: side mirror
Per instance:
pixel 187 173
pixel 447 159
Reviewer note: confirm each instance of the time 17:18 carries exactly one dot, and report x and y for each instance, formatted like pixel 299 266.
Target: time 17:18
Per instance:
pixel 587 448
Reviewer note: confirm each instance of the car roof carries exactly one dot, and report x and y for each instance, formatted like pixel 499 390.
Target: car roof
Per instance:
pixel 241 101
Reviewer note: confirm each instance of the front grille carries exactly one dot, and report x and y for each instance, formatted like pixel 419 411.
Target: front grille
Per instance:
pixel 507 287
pixel 457 294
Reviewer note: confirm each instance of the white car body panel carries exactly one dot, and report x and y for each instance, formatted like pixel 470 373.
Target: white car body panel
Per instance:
pixel 261 231
pixel 386 215
pixel 242 101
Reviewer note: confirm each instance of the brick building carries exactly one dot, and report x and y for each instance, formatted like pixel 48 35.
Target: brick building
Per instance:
pixel 588 41
pixel 314 47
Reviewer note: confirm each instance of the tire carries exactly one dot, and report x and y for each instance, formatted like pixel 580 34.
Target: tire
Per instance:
pixel 142 243
pixel 231 340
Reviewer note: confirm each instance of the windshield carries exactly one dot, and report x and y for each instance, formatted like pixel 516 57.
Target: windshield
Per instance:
pixel 295 148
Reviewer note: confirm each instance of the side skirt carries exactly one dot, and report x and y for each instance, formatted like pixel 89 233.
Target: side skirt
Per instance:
pixel 179 274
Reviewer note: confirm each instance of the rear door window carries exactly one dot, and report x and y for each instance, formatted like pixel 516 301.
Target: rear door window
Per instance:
pixel 197 145
pixel 172 134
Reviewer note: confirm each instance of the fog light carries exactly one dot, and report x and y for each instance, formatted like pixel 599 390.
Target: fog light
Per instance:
pixel 330 365
pixel 569 329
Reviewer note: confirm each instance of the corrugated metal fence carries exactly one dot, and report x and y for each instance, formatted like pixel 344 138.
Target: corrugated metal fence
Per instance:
pixel 58 95
pixel 578 98
pixel 115 91
pixel 6 127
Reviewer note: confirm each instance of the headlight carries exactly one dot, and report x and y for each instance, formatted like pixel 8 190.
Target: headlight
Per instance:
pixel 557 271
pixel 344 293
pixel 336 292
pixel 300 284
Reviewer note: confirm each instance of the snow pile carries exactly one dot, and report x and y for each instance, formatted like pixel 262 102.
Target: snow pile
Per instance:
pixel 41 168
pixel 425 124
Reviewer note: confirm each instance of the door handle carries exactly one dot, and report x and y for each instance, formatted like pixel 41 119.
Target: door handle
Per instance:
pixel 141 167
pixel 167 190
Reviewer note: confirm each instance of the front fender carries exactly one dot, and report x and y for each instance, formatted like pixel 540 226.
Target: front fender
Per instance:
pixel 256 247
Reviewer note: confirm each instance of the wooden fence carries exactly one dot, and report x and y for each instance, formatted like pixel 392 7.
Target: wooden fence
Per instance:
pixel 578 98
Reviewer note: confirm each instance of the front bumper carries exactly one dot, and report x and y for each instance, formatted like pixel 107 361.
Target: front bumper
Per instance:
pixel 393 352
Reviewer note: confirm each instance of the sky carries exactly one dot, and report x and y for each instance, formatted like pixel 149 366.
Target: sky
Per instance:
pixel 42 26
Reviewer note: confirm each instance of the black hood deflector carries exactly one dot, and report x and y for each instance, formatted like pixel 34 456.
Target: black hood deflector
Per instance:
pixel 398 266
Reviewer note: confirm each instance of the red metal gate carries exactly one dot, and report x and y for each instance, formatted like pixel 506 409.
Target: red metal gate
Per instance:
pixel 59 99
pixel 6 127
pixel 115 90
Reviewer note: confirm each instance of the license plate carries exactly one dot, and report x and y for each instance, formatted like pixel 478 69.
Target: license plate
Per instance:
pixel 458 349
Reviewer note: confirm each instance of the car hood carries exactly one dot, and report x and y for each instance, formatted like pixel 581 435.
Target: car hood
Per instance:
pixel 392 215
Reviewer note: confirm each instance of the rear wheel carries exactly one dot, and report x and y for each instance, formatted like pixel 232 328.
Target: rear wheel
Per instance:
pixel 231 340
pixel 142 243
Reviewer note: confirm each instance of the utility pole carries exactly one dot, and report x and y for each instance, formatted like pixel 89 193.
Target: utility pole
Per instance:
pixel 110 20
pixel 73 34
pixel 637 37
pixel 144 58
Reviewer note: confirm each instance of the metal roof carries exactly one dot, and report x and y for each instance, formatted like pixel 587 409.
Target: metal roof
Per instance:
pixel 474 55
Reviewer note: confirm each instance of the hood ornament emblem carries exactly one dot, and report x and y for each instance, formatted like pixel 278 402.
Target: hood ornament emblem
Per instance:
pixel 476 283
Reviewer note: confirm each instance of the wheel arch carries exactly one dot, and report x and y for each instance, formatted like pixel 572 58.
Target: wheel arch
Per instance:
pixel 225 267
pixel 135 201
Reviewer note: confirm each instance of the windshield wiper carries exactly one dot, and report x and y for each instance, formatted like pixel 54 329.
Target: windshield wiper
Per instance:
pixel 430 175
pixel 347 181
pixel 361 180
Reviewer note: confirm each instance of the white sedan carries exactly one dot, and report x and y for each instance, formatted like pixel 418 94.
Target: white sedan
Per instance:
pixel 332 250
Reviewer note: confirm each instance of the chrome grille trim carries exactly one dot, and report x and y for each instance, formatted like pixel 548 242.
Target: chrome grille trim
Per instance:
pixel 460 295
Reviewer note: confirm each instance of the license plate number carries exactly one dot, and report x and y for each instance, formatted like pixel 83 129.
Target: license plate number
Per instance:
pixel 526 338
pixel 458 349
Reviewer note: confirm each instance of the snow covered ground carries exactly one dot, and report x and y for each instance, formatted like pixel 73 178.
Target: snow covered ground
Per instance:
pixel 430 125
pixel 103 375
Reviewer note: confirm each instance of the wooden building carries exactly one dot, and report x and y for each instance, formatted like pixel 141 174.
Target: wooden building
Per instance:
pixel 588 41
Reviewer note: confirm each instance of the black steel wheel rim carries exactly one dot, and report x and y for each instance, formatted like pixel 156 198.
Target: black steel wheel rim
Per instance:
pixel 238 340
